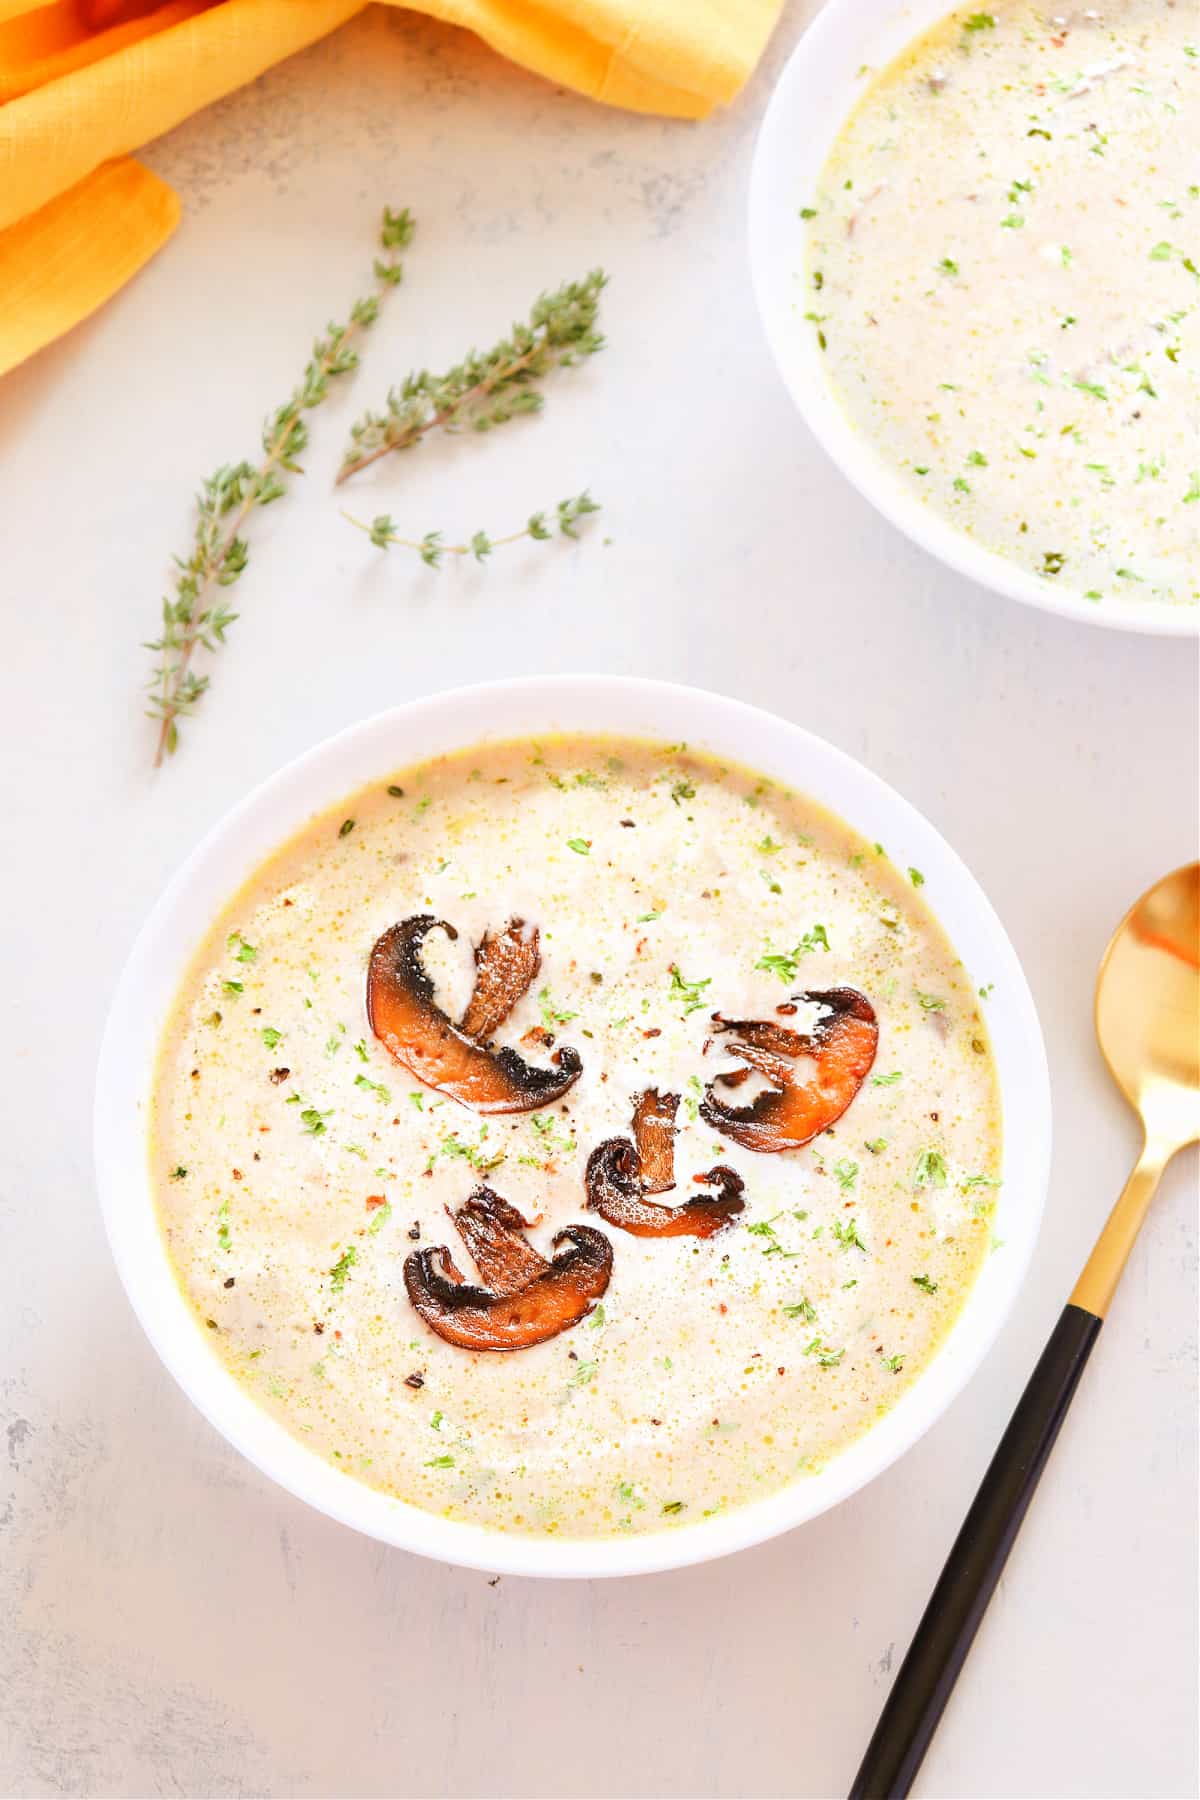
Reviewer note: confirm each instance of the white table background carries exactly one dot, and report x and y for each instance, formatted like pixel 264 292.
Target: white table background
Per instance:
pixel 171 1623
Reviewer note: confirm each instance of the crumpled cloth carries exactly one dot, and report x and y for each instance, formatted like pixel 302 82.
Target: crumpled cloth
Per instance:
pixel 82 84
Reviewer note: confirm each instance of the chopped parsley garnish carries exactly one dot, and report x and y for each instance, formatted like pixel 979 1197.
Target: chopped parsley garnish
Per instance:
pixel 948 266
pixel 682 790
pixel 341 1268
pixel 926 1286
pixel 846 1233
pixel 887 1080
pixel 916 877
pixel 980 21
pixel 1052 562
pixel 801 1309
pixel 346 827
pixel 785 963
pixel 584 1372
pixel 826 1358
pixel 374 1087
pixel 846 1174
pixel 233 987
pixel 673 1506
pixel 440 1462
pixel 894 1363
pixel 929 1170
pixel 691 993
pixel 550 1013
pixel 930 1002
pixel 876 1146
pixel 242 951
pixel 271 1037
pixel 379 1218
pixel 581 846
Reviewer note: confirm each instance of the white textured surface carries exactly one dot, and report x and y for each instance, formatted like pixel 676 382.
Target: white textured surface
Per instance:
pixel 170 1623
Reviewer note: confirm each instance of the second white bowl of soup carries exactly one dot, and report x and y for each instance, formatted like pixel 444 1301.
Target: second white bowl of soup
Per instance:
pixel 974 241
pixel 573 1127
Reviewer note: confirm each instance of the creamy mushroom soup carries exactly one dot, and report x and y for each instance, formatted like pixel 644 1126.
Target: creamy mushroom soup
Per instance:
pixel 1004 273
pixel 694 1177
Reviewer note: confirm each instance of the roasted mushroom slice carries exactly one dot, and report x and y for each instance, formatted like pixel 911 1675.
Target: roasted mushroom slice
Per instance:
pixel 620 1174
pixel 526 1299
pixel 409 1023
pixel 505 967
pixel 792 1112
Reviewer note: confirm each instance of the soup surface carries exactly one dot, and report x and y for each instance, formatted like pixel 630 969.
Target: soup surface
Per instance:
pixel 1004 269
pixel 298 1164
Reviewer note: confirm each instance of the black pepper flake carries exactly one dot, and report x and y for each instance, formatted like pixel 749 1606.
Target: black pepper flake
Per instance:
pixel 212 1324
pixel 229 1280
pixel 318 1327
pixel 415 1380
pixel 628 824
pixel 279 1075
pixel 414 1230
pixel 596 977
pixel 237 1174
pixel 653 1032
pixel 935 1117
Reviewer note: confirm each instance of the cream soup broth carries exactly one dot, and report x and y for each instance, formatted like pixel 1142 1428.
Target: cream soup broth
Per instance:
pixel 297 1164
pixel 1004 270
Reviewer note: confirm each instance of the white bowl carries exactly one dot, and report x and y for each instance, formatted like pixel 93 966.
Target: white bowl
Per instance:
pixel 830 68
pixel 457 720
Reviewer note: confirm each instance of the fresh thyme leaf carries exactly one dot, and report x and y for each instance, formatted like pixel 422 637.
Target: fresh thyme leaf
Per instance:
pixel 432 548
pixel 196 616
pixel 489 388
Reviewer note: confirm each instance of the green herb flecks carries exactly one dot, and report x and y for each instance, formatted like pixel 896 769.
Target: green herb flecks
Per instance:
pixel 342 1268
pixel 785 963
pixel 929 1171
pixel 689 993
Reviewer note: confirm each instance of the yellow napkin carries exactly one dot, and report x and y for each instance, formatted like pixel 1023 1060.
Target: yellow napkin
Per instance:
pixel 78 217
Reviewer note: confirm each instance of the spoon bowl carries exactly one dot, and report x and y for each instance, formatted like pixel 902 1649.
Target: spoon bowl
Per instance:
pixel 1148 1005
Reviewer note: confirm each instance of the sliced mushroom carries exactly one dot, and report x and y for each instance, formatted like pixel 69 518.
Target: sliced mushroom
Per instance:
pixel 620 1174
pixel 505 968
pixel 452 1058
pixel 792 1112
pixel 526 1299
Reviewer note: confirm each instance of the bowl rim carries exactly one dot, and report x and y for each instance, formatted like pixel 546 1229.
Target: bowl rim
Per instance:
pixel 824 77
pixel 458 718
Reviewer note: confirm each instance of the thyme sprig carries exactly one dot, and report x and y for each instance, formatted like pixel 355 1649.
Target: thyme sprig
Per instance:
pixel 197 615
pixel 383 532
pixel 489 388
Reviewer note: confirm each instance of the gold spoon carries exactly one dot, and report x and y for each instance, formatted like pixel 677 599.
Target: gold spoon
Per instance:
pixel 1148 1025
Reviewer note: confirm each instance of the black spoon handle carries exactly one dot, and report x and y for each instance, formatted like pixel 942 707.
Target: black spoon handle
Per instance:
pixel 974 1566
